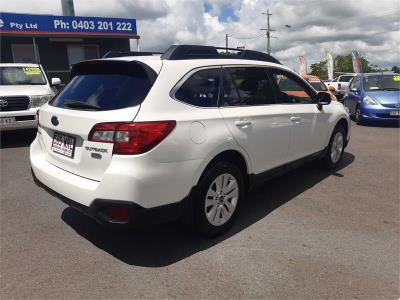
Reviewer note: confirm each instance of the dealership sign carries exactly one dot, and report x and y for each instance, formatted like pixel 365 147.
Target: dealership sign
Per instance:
pixel 48 25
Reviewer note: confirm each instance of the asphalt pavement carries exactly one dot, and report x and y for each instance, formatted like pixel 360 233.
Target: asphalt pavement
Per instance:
pixel 309 234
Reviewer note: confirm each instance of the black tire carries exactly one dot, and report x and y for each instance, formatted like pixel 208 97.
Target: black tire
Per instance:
pixel 358 116
pixel 202 223
pixel 331 161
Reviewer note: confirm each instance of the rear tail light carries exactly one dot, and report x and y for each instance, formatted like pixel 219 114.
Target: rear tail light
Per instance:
pixel 132 137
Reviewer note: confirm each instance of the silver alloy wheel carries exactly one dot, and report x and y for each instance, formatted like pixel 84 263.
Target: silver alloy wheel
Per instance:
pixel 221 199
pixel 337 147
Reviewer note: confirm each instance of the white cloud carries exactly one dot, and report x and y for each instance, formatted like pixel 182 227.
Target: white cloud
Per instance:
pixel 317 26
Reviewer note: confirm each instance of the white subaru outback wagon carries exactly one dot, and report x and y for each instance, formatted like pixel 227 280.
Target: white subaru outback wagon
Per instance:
pixel 147 138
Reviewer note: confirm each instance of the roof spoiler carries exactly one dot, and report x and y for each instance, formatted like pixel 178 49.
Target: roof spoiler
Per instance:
pixel 132 68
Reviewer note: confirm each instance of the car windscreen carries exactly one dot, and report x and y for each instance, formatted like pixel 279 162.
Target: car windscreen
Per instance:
pixel 288 85
pixel 106 86
pixel 382 83
pixel 317 84
pixel 345 78
pixel 21 76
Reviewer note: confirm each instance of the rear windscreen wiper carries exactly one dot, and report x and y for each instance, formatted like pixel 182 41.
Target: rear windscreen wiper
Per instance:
pixel 80 105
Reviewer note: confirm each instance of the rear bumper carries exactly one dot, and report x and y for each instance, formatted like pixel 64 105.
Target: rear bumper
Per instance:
pixel 138 215
pixel 24 119
pixel 144 186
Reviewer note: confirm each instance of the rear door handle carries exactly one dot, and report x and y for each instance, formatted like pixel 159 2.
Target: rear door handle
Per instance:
pixel 242 123
pixel 295 119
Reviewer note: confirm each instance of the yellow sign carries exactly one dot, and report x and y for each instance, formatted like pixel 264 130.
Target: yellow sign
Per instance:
pixel 32 71
pixel 396 78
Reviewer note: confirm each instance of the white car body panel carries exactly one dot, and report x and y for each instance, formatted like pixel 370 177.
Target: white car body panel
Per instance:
pixel 267 136
pixel 343 84
pixel 78 124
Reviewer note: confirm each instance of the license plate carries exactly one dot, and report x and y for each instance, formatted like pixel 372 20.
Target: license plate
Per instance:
pixel 395 113
pixel 7 120
pixel 63 144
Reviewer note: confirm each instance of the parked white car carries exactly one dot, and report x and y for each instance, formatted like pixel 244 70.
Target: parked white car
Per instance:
pixel 23 88
pixel 340 84
pixel 139 139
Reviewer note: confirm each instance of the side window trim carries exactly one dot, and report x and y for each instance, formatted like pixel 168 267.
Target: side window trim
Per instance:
pixel 225 69
pixel 225 72
pixel 295 78
pixel 185 77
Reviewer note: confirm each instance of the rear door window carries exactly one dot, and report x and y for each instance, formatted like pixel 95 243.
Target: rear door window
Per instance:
pixel 246 86
pixel 292 90
pixel 106 86
pixel 201 89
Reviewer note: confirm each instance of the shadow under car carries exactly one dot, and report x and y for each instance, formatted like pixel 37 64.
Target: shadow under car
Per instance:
pixel 165 244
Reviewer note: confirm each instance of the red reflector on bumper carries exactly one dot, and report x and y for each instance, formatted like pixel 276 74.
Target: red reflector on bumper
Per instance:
pixel 120 214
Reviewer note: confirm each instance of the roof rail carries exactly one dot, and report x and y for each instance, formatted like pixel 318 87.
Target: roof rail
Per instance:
pixel 182 52
pixel 111 54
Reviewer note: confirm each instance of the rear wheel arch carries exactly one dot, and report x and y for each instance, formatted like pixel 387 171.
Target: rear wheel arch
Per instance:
pixel 234 157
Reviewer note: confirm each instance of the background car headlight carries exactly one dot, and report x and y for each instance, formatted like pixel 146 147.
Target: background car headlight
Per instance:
pixel 37 101
pixel 368 100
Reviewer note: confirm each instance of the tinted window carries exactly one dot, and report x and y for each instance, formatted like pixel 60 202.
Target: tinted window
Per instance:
pixel 230 96
pixel 355 83
pixel 201 89
pixel 246 86
pixel 106 85
pixel 345 78
pixel 103 92
pixel 292 89
pixel 316 83
pixel 318 86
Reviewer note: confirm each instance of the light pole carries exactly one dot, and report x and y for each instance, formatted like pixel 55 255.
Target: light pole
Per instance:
pixel 268 31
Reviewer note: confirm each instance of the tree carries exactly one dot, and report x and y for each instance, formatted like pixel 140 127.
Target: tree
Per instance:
pixel 342 64
pixel 320 69
pixel 395 69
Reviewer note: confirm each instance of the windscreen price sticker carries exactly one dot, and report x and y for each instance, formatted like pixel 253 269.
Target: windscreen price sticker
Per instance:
pixel 32 71
pixel 396 78
pixel 92 25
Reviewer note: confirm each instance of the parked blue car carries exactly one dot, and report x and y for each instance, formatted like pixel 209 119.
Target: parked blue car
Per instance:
pixel 374 97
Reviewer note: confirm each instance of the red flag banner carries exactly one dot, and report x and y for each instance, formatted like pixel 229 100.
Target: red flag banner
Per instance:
pixel 303 66
pixel 355 55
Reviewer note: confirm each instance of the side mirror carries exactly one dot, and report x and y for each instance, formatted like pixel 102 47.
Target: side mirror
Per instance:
pixel 331 88
pixel 324 98
pixel 55 81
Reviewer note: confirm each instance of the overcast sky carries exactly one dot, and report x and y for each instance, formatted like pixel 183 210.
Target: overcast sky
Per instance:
pixel 317 26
